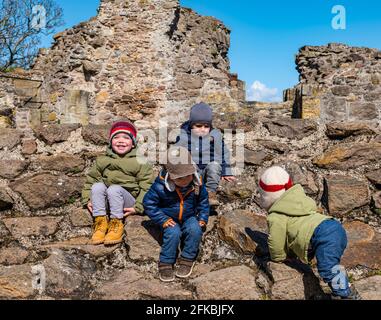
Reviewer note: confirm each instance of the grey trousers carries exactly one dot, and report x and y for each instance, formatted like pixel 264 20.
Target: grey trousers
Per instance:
pixel 116 197
pixel 211 176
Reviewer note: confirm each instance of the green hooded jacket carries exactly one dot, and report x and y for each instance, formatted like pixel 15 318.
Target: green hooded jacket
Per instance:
pixel 111 169
pixel 292 221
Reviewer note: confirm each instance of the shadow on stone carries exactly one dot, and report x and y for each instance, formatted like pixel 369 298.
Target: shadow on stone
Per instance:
pixel 312 288
pixel 260 238
pixel 153 230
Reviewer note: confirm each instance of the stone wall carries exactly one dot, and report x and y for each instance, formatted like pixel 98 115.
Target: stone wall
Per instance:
pixel 141 60
pixel 43 226
pixel 337 83
pixel 149 61
pixel 20 99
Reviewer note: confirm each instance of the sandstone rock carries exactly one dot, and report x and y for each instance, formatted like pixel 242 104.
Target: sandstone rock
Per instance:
pixel 61 162
pixel 81 218
pixel 369 288
pixel 362 111
pixel 376 203
pixel 343 194
pixel 143 238
pixel 294 282
pixel 234 283
pixel 189 82
pixel 82 244
pixel 291 128
pixel 55 133
pixel 245 231
pixel 13 255
pixel 256 157
pixel 303 176
pixel 339 130
pixel 242 120
pixel 32 226
pixel 29 147
pixel 334 109
pixel 349 155
pixel 341 90
pixel 364 246
pixel 5 235
pixel 91 68
pixel 276 146
pixel 76 107
pixel 133 285
pixel 6 201
pixel 68 275
pixel 374 177
pixel 16 282
pixel 46 190
pixel 10 169
pixel 92 155
pixel 372 96
pixel 242 188
pixel 9 138
pixel 96 134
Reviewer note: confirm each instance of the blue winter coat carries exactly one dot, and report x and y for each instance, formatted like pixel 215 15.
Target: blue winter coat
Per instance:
pixel 165 201
pixel 206 149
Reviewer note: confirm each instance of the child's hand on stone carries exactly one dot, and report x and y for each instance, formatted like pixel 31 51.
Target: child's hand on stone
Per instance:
pixel 229 178
pixel 129 211
pixel 90 206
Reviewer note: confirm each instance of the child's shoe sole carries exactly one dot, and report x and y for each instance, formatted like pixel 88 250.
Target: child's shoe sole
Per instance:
pixel 108 243
pixel 167 280
pixel 183 276
pixel 96 243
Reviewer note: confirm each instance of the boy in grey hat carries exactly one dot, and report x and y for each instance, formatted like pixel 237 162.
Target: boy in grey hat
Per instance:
pixel 178 202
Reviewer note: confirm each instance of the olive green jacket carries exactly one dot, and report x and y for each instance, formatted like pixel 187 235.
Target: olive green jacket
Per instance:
pixel 111 169
pixel 292 221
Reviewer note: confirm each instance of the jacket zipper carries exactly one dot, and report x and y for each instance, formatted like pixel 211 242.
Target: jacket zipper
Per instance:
pixel 182 202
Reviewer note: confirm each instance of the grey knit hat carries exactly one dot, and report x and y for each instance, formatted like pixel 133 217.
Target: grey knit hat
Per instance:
pixel 201 113
pixel 179 163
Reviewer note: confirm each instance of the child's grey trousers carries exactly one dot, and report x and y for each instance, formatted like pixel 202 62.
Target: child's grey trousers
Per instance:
pixel 115 197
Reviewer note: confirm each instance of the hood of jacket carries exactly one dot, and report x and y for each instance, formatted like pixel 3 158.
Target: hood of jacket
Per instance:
pixel 294 202
pixel 170 185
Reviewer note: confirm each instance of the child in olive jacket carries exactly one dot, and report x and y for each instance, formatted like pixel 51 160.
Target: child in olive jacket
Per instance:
pixel 178 202
pixel 118 181
pixel 296 228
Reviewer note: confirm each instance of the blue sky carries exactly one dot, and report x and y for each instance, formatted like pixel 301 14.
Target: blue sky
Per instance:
pixel 266 35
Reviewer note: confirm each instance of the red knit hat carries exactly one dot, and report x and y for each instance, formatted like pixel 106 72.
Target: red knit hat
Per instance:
pixel 273 183
pixel 123 126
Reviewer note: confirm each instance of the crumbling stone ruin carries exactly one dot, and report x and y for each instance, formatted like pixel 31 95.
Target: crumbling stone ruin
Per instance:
pixel 149 61
pixel 337 83
pixel 141 60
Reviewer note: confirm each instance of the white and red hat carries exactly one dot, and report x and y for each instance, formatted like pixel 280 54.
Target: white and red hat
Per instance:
pixel 272 184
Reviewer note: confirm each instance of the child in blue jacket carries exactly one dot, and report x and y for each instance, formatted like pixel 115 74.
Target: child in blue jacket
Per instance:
pixel 208 149
pixel 178 202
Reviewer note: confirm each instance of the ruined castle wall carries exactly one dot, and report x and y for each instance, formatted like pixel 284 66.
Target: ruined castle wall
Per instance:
pixel 141 60
pixel 338 82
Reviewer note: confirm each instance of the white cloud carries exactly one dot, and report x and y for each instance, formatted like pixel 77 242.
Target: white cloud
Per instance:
pixel 260 92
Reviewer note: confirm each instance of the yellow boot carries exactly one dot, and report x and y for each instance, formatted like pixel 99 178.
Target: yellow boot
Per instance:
pixel 100 229
pixel 115 232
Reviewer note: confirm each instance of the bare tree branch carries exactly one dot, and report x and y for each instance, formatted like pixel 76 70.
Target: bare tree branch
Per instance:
pixel 21 27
